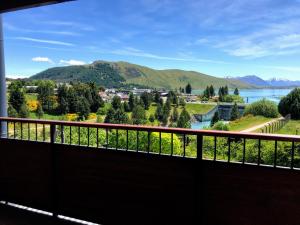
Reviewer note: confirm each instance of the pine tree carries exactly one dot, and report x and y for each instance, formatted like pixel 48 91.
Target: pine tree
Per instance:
pixel 16 97
pixel 212 91
pixel 236 91
pixel 83 108
pixel 24 113
pixel 215 119
pixel 138 115
pixel 188 89
pixel 184 119
pixel 235 114
pixel 131 101
pixel 159 112
pixel 175 115
pixel 116 102
pixel 12 112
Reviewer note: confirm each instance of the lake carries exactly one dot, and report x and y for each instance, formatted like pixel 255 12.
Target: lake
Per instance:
pixel 253 95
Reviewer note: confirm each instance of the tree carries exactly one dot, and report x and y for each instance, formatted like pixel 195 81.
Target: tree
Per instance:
pixel 172 97
pixel 235 114
pixel 146 97
pixel 159 112
pixel 16 97
pixel 215 119
pixel 83 108
pixel 116 102
pixel 182 102
pixel 290 104
pixel 175 115
pixel 156 97
pixel 126 107
pixel 62 96
pixel 151 118
pixel 226 90
pixel 97 101
pixel 184 119
pixel 188 89
pixel 45 94
pixel 236 91
pixel 131 101
pixel 24 112
pixel 72 99
pixel 138 115
pixel 39 111
pixel 262 107
pixel 109 118
pixel 221 126
pixel 165 115
pixel 11 111
pixel 212 91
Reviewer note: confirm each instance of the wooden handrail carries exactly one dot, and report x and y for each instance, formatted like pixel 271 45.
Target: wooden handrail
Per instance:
pixel 230 134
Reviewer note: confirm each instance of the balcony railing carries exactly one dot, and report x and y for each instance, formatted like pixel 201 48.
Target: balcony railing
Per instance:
pixel 246 148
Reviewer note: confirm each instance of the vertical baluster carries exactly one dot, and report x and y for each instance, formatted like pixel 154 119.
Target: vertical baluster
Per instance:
pixel 106 132
pixel 127 143
pixel 259 150
pixel 14 130
pixel 184 140
pixel 229 149
pixel 97 137
pixel 79 136
pixel 70 135
pixel 21 127
pixel 215 148
pixel 244 151
pixel 199 147
pixel 7 129
pixel 137 140
pixel 275 154
pixel 36 132
pixel 117 138
pixel 28 130
pixel 61 134
pixel 44 132
pixel 88 130
pixel 172 143
pixel 292 155
pixel 159 142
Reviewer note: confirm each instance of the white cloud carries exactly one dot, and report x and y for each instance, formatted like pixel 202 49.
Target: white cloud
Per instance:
pixel 42 59
pixel 53 42
pixel 71 62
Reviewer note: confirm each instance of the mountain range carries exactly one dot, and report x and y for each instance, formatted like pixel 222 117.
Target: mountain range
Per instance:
pixel 274 82
pixel 124 74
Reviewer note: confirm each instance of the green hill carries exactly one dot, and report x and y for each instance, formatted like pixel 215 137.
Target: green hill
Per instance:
pixel 118 74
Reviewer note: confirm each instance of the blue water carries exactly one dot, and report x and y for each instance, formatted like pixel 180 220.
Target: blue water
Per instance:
pixel 252 95
pixel 200 125
pixel 258 94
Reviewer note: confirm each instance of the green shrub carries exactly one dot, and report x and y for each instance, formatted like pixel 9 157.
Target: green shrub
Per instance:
pixel 221 126
pixel 290 104
pixel 264 108
pixel 233 98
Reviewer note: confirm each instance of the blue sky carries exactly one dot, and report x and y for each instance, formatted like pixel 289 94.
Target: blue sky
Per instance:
pixel 219 37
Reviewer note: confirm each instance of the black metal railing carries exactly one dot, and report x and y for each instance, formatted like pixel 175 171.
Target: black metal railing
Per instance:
pixel 252 148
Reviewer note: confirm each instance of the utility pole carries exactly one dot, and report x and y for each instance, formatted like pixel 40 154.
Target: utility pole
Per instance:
pixel 3 102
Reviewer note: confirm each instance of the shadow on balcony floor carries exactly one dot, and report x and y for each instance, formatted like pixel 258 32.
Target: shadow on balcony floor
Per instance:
pixel 13 216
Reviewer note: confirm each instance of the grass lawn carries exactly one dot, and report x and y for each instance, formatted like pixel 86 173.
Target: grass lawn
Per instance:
pixel 191 108
pixel 199 108
pixel 292 127
pixel 247 122
pixel 30 97
pixel 46 116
